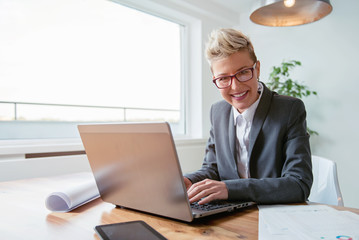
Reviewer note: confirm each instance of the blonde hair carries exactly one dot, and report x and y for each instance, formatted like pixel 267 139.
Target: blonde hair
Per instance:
pixel 224 42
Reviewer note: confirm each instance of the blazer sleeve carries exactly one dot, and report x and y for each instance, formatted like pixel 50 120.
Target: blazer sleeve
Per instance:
pixel 281 160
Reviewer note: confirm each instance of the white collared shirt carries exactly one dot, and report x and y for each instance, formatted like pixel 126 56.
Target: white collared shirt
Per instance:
pixel 243 122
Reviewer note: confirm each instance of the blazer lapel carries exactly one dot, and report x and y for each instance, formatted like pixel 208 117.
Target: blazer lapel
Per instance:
pixel 259 117
pixel 232 135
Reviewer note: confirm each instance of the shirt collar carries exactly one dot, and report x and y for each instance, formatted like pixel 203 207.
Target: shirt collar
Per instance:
pixel 248 114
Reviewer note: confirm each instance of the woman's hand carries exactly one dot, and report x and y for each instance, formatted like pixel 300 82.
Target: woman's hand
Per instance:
pixel 187 183
pixel 207 191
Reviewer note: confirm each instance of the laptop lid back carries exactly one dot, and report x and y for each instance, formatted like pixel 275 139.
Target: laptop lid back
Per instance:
pixel 135 165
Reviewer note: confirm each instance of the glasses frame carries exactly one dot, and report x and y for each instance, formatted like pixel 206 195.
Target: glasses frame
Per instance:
pixel 234 76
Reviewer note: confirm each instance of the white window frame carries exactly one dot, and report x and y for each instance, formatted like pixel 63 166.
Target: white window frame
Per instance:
pixel 59 130
pixel 191 57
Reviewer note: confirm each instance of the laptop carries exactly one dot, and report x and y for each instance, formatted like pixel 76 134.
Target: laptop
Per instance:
pixel 136 166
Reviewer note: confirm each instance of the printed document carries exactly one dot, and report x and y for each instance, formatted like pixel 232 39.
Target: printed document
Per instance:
pixel 307 222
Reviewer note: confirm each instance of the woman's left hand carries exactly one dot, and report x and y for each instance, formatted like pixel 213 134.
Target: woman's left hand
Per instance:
pixel 207 190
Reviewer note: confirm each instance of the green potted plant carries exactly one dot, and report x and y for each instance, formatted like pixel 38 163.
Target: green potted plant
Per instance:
pixel 280 82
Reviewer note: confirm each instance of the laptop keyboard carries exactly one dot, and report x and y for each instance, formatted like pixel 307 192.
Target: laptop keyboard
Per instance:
pixel 210 206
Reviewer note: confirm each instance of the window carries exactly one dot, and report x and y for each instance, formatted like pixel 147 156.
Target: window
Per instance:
pixel 68 61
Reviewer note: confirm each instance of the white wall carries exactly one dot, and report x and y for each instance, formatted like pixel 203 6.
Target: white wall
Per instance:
pixel 328 50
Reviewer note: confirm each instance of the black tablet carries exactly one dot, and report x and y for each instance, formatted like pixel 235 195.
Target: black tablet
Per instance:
pixel 134 230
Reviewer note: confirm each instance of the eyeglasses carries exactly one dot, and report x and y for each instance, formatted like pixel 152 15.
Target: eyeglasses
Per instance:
pixel 242 76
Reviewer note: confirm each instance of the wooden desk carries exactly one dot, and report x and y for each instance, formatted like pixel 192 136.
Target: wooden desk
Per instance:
pixel 23 215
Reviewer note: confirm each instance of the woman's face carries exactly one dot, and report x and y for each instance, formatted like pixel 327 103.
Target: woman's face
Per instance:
pixel 240 95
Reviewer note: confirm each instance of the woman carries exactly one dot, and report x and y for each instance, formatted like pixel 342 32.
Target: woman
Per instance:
pixel 258 148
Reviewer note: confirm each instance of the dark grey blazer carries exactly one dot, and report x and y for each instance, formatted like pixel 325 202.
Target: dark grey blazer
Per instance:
pixel 279 152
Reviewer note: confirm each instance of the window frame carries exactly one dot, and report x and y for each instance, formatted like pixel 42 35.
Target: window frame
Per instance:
pixel 64 128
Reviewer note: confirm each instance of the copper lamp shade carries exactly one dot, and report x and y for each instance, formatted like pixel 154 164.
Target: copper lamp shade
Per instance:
pixel 290 12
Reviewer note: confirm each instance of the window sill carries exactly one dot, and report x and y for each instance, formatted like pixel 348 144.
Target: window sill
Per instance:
pixel 10 148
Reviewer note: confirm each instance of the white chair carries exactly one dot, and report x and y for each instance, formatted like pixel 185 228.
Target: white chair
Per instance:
pixel 325 187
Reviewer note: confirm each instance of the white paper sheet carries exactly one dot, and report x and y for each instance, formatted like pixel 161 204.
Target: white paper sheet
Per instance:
pixel 77 191
pixel 307 222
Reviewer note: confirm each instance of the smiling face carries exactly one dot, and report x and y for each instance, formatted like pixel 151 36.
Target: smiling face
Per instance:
pixel 240 95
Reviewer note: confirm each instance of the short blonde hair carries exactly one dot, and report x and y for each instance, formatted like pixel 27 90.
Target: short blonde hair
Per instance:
pixel 224 42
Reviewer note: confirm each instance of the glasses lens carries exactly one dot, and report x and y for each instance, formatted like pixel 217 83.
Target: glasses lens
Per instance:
pixel 245 75
pixel 223 82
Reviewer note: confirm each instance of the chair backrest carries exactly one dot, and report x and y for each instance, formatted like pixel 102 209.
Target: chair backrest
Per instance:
pixel 325 187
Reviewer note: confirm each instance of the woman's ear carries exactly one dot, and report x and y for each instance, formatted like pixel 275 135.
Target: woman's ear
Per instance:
pixel 258 69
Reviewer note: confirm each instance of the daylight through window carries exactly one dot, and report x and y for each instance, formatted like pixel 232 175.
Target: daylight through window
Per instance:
pixel 87 61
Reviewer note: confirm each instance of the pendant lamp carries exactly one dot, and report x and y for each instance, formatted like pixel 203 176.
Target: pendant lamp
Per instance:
pixel 278 13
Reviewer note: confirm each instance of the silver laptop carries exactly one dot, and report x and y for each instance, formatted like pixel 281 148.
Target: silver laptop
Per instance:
pixel 136 166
